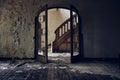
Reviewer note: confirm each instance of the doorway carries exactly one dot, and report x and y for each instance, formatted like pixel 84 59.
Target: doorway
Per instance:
pixel 58 43
pixel 57 35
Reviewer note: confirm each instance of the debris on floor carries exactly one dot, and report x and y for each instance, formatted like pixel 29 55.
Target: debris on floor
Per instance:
pixel 24 70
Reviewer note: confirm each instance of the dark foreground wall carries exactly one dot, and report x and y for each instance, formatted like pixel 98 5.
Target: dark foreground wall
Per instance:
pixel 100 26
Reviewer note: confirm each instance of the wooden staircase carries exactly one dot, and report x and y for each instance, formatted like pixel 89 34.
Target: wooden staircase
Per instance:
pixel 62 40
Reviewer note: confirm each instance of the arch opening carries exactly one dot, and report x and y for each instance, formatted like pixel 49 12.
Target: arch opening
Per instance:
pixel 58 34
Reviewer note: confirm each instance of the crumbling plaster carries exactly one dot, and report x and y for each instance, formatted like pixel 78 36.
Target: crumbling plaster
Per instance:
pixel 100 26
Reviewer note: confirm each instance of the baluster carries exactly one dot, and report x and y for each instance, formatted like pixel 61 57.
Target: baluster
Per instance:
pixel 67 27
pixel 64 28
pixel 62 31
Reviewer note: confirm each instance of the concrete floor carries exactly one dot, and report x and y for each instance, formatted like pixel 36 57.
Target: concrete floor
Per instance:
pixel 32 70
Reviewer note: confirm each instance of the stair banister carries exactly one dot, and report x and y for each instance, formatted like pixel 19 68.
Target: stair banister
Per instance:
pixel 63 29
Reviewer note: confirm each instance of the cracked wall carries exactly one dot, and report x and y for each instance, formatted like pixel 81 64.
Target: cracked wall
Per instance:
pixel 17 28
pixel 100 26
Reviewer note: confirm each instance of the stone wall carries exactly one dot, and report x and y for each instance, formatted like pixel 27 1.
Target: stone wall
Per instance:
pixel 17 28
pixel 100 26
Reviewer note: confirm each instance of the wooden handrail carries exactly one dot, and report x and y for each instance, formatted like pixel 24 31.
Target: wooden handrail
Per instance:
pixel 64 27
pixel 62 33
pixel 62 24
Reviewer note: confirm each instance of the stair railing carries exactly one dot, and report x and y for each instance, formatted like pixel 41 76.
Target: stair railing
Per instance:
pixel 65 27
pixel 63 32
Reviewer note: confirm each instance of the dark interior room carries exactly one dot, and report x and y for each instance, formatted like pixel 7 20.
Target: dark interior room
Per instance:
pixel 59 39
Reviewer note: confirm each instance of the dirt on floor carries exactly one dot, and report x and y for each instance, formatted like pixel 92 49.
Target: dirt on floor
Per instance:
pixel 32 70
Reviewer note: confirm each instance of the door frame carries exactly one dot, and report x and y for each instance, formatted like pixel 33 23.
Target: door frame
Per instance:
pixel 73 59
pixel 36 42
pixel 80 38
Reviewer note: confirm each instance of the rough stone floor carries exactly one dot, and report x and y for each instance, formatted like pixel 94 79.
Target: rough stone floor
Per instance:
pixel 31 70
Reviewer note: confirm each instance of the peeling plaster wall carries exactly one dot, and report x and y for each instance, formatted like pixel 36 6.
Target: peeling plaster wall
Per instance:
pixel 17 28
pixel 100 26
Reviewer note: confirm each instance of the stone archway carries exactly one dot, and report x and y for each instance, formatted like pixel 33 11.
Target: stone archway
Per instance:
pixel 45 18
